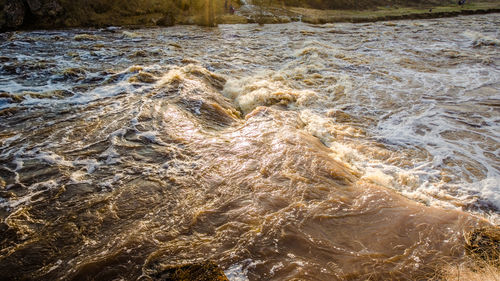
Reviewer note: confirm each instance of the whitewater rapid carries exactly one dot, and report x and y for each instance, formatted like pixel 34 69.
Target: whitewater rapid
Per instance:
pixel 279 151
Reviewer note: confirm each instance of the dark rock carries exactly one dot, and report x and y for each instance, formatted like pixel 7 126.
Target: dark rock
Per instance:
pixel 34 5
pixel 47 8
pixel 205 271
pixel 18 13
pixel 2 17
pixel 167 20
pixel 14 12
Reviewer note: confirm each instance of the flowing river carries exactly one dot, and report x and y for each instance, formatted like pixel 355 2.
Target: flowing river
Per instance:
pixel 315 152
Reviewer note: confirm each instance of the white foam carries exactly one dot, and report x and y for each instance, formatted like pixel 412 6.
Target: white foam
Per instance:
pixel 379 177
pixel 404 90
pixel 266 88
pixel 79 177
pixel 489 189
pixel 236 273
pixel 54 159
pixel 7 141
pixel 36 189
pixel 149 135
pixel 90 164
pixel 479 39
pixel 112 157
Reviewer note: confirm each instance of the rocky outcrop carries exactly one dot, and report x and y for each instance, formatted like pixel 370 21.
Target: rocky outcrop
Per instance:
pixel 47 8
pixel 2 14
pixel 16 13
pixel 167 20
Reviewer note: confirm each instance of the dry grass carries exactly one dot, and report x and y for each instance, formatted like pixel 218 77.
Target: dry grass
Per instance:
pixel 483 244
pixel 483 258
pixel 471 273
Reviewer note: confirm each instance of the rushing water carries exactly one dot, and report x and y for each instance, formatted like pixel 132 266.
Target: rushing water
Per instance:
pixel 282 151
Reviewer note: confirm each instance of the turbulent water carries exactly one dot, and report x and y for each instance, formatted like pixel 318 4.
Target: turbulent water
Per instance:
pixel 316 152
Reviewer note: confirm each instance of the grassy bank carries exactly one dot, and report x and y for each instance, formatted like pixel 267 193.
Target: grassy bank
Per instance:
pixel 280 14
pixel 394 13
pixel 144 13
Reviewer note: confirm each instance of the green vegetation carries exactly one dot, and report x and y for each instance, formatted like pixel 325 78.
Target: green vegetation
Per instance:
pixel 97 13
pixel 145 12
pixel 2 15
pixel 393 12
pixel 361 4
pixel 123 12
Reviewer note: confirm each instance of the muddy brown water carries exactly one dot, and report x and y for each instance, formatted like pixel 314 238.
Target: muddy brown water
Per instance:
pixel 328 152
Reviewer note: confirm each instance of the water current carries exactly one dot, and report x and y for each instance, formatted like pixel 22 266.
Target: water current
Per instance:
pixel 316 152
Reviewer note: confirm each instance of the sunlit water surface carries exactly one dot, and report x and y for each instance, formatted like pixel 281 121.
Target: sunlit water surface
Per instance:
pixel 279 152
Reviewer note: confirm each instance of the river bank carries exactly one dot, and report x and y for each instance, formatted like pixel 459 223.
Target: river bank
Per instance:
pixel 385 14
pixel 54 14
